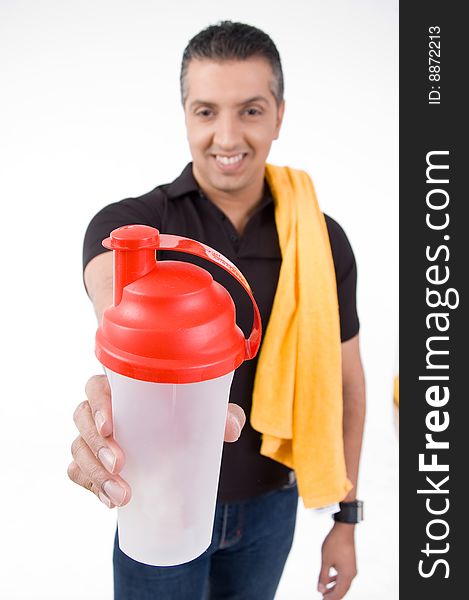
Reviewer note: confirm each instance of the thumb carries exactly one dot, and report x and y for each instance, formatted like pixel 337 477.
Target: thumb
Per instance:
pixel 235 421
pixel 324 578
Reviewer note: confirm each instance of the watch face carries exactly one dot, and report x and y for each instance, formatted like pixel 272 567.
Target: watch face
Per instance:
pixel 359 511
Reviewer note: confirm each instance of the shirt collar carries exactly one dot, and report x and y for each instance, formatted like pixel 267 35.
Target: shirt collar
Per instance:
pixel 184 184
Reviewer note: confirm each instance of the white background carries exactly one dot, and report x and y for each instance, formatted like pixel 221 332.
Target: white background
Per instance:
pixel 90 114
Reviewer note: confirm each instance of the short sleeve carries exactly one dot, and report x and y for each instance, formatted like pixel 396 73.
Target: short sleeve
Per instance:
pixel 145 210
pixel 346 276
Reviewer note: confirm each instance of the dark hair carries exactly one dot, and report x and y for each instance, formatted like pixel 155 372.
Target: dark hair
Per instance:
pixel 232 41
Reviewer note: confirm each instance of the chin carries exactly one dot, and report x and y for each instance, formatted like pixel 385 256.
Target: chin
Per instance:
pixel 228 184
pixel 226 187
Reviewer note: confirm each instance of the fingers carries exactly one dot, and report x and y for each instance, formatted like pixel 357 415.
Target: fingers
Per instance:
pixel 98 393
pixel 235 421
pixel 86 470
pixel 104 448
pixel 340 588
pixel 326 583
pixel 324 578
pixel 97 458
pixel 334 587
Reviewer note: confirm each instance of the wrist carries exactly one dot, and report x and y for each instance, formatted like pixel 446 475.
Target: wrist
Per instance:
pixel 344 528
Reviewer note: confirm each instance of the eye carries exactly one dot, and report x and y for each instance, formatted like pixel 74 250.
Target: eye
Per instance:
pixel 253 112
pixel 204 112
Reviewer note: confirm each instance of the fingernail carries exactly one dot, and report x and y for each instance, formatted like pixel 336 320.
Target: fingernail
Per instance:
pixel 108 459
pixel 104 499
pixel 114 491
pixel 99 420
pixel 237 427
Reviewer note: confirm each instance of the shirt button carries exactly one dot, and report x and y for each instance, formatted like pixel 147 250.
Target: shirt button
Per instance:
pixel 234 238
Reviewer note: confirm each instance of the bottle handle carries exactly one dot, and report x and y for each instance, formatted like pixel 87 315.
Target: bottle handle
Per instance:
pixel 182 244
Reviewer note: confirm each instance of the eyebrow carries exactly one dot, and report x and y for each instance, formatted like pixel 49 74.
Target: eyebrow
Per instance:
pixel 243 103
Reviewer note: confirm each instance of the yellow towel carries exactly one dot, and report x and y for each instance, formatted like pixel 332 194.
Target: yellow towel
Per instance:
pixel 297 396
pixel 396 391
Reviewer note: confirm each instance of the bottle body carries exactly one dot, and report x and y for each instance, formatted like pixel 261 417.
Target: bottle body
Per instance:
pixel 172 437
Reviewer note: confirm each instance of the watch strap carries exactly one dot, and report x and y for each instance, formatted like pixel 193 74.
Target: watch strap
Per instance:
pixel 350 512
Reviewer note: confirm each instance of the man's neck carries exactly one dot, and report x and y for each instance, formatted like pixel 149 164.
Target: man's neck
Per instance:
pixel 238 207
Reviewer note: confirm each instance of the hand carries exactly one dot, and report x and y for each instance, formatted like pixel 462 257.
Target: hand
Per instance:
pixel 98 459
pixel 338 551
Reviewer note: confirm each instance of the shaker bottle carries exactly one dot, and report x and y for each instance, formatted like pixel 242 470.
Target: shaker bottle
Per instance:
pixel 170 346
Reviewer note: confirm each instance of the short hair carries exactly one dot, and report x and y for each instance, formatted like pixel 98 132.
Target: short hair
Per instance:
pixel 233 41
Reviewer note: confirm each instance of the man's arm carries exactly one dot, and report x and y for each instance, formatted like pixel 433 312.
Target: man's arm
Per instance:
pixel 338 549
pixel 353 386
pixel 98 282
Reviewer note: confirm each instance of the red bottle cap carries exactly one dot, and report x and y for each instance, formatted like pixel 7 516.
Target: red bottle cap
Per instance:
pixel 170 321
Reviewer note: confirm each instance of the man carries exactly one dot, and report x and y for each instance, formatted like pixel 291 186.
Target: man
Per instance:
pixel 232 95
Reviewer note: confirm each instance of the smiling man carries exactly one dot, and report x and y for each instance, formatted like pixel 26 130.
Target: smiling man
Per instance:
pixel 304 393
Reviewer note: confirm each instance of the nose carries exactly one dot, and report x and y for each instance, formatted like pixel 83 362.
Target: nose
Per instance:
pixel 227 133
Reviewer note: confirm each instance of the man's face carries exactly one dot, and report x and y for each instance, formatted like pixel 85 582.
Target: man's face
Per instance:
pixel 231 118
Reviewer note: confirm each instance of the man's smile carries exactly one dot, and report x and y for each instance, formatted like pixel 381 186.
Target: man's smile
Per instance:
pixel 229 163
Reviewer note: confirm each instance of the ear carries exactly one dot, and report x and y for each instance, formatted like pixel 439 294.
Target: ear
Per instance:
pixel 278 125
pixel 185 123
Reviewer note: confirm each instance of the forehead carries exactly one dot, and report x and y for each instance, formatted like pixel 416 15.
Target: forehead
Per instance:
pixel 220 81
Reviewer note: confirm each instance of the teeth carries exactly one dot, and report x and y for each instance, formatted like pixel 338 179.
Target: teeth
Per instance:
pixel 229 160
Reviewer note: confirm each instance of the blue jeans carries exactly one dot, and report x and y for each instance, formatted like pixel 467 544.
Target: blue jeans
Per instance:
pixel 250 544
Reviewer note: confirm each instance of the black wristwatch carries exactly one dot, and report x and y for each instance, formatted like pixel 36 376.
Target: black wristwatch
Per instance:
pixel 350 512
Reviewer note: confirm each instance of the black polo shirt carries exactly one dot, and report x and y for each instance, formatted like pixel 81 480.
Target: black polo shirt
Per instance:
pixel 181 208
